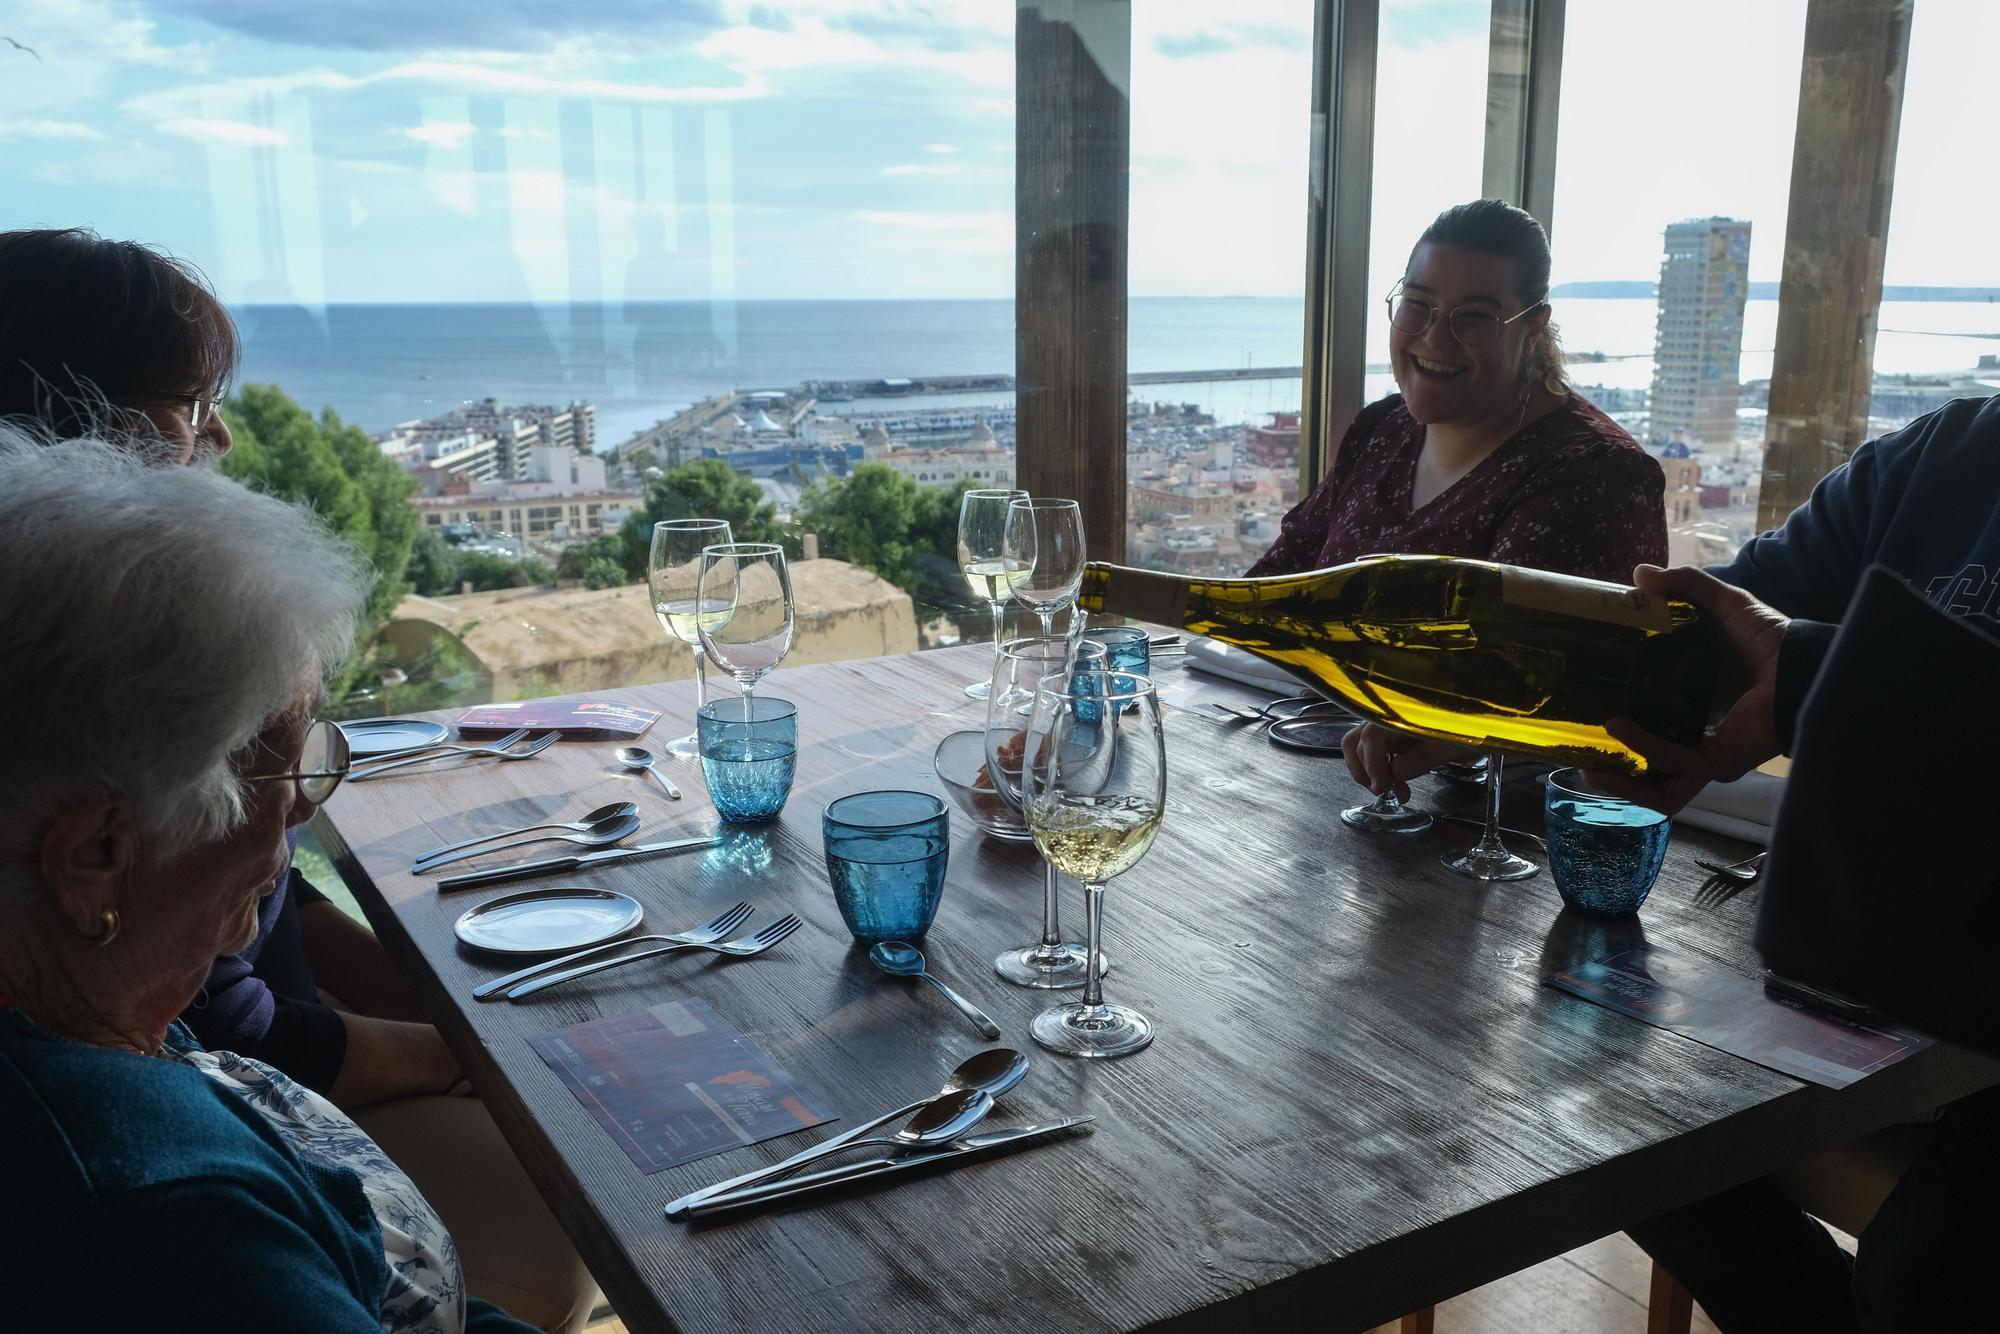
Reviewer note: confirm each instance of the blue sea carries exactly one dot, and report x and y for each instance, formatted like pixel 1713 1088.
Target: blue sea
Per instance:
pixel 377 365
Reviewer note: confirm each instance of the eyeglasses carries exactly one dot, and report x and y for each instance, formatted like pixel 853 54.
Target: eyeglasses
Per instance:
pixel 323 762
pixel 200 408
pixel 1414 316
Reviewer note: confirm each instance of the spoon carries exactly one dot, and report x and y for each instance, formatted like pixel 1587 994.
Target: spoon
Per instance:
pixel 632 757
pixel 906 960
pixel 601 834
pixel 992 1072
pixel 610 812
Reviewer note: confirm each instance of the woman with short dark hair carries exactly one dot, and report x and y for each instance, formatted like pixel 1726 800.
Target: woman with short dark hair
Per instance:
pixel 115 339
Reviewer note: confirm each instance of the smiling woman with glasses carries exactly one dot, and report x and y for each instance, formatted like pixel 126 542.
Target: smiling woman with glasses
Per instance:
pixel 1486 452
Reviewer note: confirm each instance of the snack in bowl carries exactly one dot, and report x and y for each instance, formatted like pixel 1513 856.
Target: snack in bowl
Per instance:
pixel 961 767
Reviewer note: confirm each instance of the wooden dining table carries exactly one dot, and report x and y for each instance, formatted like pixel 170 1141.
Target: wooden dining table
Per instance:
pixel 1362 1097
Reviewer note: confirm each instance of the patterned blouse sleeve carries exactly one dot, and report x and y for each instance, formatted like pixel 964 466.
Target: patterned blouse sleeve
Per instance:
pixel 1597 520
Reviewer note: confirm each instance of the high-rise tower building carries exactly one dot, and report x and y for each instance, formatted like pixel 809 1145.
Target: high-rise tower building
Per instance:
pixel 1698 345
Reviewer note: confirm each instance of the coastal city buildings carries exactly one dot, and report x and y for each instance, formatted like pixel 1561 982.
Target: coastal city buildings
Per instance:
pixel 565 496
pixel 486 441
pixel 1698 346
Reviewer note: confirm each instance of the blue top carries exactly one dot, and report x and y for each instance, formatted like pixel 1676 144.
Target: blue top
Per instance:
pixel 137 1190
pixel 1920 501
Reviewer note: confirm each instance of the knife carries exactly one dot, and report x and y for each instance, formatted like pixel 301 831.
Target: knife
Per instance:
pixel 548 865
pixel 958 1151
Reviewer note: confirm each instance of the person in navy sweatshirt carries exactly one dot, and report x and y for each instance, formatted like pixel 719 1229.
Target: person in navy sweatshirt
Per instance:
pixel 1878 599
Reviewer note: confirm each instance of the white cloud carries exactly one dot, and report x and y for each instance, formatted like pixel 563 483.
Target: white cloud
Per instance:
pixel 46 129
pixel 213 130
pixel 923 169
pixel 940 148
pixel 950 232
pixel 441 134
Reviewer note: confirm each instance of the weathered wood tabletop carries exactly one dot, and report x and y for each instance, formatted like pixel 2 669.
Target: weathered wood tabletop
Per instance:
pixel 1361 1098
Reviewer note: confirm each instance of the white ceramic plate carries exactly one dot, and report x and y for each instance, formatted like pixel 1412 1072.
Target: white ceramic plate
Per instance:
pixel 548 921
pixel 374 736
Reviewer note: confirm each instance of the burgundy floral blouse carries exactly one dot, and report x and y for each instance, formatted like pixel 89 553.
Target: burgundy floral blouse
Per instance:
pixel 1570 492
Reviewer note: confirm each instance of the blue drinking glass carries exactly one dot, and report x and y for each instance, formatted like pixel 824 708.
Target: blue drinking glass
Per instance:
pixel 886 854
pixel 749 748
pixel 1604 851
pixel 1127 648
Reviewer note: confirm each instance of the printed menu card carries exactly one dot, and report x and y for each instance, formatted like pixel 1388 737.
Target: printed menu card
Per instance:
pixel 677 1082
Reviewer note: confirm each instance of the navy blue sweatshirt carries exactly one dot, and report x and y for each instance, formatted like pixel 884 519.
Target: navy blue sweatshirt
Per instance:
pixel 1923 501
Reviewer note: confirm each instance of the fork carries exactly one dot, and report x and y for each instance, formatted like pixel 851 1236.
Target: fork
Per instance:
pixel 498 748
pixel 714 929
pixel 1746 870
pixel 737 949
pixel 1247 715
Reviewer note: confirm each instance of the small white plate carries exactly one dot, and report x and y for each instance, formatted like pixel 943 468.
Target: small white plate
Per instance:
pixel 375 736
pixel 548 921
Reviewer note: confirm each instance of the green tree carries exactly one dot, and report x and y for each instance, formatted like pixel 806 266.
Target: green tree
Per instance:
pixel 905 532
pixel 603 572
pixel 337 470
pixel 487 572
pixel 705 489
pixel 579 557
pixel 433 568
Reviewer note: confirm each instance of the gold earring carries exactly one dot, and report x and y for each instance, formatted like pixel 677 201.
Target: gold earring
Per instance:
pixel 107 931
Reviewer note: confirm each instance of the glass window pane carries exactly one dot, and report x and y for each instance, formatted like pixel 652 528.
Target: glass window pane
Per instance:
pixel 576 254
pixel 1668 241
pixel 1221 111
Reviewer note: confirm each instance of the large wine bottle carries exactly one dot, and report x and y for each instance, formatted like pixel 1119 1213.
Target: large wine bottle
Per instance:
pixel 1462 650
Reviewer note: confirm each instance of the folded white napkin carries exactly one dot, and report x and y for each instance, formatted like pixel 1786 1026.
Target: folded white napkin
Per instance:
pixel 1238 665
pixel 1745 809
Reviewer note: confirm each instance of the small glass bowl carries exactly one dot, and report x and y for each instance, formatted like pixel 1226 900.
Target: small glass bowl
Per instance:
pixel 960 763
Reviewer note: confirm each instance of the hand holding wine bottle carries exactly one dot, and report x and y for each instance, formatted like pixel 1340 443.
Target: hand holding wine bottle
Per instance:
pixel 1747 735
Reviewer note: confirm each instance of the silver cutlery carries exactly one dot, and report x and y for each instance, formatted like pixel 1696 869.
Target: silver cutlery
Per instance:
pixel 715 928
pixel 634 757
pixel 960 1151
pixel 737 949
pixel 906 960
pixel 996 1070
pixel 609 812
pixel 440 748
pixel 615 829
pixel 1291 706
pixel 548 865
pixel 1746 870
pixel 498 750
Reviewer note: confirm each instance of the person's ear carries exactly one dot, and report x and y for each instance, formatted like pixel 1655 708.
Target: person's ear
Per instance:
pixel 87 858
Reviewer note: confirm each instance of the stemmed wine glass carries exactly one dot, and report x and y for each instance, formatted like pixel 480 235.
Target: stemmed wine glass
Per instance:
pixel 1386 815
pixel 673 577
pixel 982 555
pixel 1050 964
pixel 752 581
pixel 1489 859
pixel 1046 537
pixel 1095 779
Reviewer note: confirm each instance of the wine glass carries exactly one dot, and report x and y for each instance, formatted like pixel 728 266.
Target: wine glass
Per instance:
pixel 1046 537
pixel 1095 779
pixel 673 578
pixel 1049 964
pixel 1488 859
pixel 1386 815
pixel 751 580
pixel 982 555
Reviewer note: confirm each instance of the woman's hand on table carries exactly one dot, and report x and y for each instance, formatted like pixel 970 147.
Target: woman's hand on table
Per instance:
pixel 1381 757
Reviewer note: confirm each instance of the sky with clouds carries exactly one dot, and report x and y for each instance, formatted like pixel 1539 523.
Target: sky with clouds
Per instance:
pixel 618 150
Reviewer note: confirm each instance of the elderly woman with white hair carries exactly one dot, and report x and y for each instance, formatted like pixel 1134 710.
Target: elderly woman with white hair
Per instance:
pixel 164 635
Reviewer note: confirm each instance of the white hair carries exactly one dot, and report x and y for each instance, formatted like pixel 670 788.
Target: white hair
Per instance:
pixel 153 621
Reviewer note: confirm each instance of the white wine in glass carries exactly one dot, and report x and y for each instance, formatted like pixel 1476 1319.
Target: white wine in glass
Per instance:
pixel 673 580
pixel 989 571
pixel 1094 775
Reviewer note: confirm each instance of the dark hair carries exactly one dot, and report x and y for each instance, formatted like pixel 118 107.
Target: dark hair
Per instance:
pixel 1495 227
pixel 88 325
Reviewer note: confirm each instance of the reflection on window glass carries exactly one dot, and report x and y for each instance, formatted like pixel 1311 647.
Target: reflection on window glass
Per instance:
pixel 1669 238
pixel 1430 141
pixel 1938 335
pixel 1221 104
pixel 570 271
